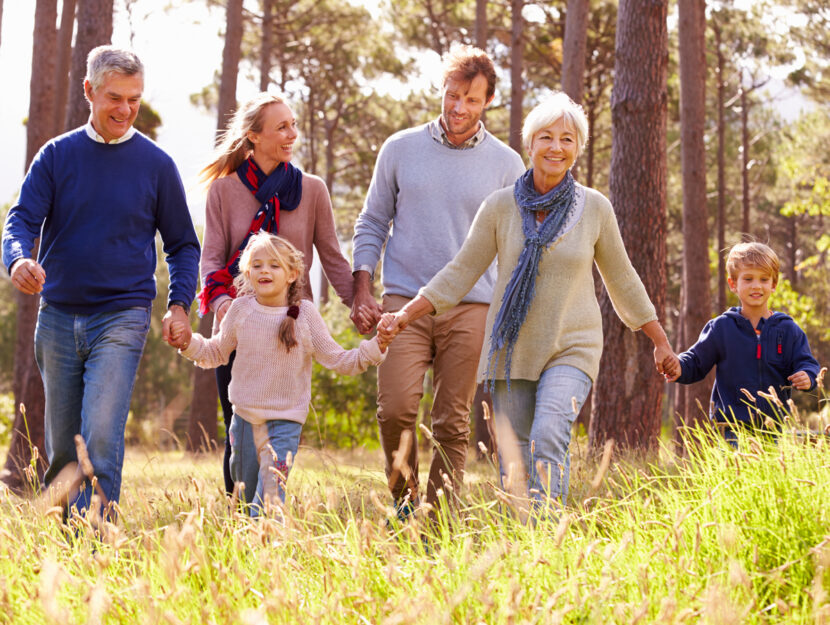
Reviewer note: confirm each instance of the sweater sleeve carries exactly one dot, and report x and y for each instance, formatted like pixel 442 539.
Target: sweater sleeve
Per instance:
pixel 180 243
pixel 215 245
pixel 209 353
pixel 336 267
pixel 331 355
pixel 25 218
pixel 803 359
pixel 697 361
pixel 372 226
pixel 626 290
pixel 455 280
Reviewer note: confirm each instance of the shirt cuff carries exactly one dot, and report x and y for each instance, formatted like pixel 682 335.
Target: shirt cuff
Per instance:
pixel 367 269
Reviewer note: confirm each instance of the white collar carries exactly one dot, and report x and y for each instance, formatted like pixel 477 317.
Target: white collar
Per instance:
pixel 93 134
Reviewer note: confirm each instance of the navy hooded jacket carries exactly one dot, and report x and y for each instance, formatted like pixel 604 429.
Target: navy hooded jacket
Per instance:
pixel 748 361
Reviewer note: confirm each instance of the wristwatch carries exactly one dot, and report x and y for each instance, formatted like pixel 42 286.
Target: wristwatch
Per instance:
pixel 177 302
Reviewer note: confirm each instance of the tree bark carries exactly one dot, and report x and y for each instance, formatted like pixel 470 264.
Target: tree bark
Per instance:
pixel 231 56
pixel 745 159
pixel 63 63
pixel 27 386
pixel 721 170
pixel 696 305
pixel 94 29
pixel 481 24
pixel 265 50
pixel 204 404
pixel 573 49
pixel 204 411
pixel 628 391
pixel 516 84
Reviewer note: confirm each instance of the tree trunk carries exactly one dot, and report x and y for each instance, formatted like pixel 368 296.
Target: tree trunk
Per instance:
pixel 628 391
pixel 745 158
pixel 94 29
pixel 27 432
pixel 62 65
pixel 265 50
pixel 721 171
pixel 231 56
pixel 696 305
pixel 481 24
pixel 202 423
pixel 573 49
pixel 516 84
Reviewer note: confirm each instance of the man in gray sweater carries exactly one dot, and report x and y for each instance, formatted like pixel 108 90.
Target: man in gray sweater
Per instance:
pixel 427 186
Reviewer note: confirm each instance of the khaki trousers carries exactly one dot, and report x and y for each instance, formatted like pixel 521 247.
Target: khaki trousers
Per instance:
pixel 451 344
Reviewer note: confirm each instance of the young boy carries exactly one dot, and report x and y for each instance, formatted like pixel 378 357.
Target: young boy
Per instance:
pixel 752 347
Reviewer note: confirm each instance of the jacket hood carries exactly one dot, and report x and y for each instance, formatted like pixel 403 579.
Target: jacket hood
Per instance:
pixel 777 317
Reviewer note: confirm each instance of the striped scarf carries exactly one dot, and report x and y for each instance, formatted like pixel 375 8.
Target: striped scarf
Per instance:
pixel 282 189
pixel 519 292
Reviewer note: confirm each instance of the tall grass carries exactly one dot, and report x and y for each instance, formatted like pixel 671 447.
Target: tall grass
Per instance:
pixel 722 536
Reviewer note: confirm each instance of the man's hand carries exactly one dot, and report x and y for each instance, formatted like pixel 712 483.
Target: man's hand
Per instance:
pixel 365 309
pixel 28 276
pixel 178 316
pixel 800 380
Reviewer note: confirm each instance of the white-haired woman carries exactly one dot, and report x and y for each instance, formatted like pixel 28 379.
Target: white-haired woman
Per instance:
pixel 544 326
pixel 253 187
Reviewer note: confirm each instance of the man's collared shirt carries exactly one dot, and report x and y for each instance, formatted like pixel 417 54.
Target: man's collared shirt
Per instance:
pixel 437 132
pixel 93 134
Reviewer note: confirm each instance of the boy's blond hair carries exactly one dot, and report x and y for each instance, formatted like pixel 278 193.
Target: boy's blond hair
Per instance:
pixel 752 254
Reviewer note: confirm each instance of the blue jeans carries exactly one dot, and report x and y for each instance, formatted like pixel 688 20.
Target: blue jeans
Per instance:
pixel 540 415
pixel 88 364
pixel 252 461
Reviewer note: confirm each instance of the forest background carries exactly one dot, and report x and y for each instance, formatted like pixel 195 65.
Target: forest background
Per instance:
pixel 704 151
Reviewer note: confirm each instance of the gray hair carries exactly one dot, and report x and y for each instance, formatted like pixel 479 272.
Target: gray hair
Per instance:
pixel 105 60
pixel 548 111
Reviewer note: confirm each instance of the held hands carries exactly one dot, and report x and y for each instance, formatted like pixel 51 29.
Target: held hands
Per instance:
pixel 365 309
pixel 800 380
pixel 28 276
pixel 391 324
pixel 175 328
pixel 667 363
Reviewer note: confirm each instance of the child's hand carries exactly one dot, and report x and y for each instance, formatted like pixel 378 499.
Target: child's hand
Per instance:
pixel 387 330
pixel 800 380
pixel 671 367
pixel 177 331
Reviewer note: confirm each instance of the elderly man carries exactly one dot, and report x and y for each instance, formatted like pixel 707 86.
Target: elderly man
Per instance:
pixel 428 184
pixel 96 197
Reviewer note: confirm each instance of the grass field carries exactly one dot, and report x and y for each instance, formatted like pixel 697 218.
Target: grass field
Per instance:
pixel 723 537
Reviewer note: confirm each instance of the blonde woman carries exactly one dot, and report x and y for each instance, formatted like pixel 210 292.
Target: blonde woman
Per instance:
pixel 253 187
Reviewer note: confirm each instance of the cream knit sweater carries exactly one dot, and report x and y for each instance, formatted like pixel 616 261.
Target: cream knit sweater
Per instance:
pixel 268 383
pixel 564 323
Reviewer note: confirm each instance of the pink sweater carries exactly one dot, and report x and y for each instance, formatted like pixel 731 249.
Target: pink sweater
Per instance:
pixel 231 208
pixel 268 383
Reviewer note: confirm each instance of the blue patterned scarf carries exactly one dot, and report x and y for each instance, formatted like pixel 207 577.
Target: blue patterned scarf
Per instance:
pixel 518 295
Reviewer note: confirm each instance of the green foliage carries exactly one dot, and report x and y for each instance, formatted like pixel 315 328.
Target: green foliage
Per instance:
pixel 343 408
pixel 148 120
pixel 7 413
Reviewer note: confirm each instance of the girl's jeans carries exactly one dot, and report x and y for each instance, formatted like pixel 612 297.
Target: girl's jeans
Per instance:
pixel 540 415
pixel 276 443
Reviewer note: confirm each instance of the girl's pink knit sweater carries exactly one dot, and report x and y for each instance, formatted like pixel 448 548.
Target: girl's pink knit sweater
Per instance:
pixel 267 382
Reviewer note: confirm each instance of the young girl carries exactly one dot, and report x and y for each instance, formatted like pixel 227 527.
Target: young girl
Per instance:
pixel 275 334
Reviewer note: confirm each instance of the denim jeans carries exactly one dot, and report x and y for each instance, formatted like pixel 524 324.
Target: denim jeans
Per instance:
pixel 88 364
pixel 252 459
pixel 540 415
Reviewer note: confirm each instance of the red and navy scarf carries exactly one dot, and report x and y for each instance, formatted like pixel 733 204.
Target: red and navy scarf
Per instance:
pixel 281 190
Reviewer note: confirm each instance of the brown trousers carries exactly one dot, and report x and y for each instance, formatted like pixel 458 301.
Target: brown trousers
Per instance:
pixel 451 344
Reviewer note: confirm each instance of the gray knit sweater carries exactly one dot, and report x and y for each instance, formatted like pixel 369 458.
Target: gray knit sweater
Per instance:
pixel 428 194
pixel 564 323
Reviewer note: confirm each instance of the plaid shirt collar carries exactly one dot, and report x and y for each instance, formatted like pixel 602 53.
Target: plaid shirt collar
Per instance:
pixel 436 130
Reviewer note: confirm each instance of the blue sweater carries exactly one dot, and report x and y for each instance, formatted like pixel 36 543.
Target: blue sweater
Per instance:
pixel 99 206
pixel 748 361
